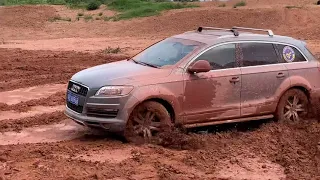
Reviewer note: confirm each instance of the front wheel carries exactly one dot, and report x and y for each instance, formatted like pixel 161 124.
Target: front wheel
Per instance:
pixel 146 121
pixel 293 106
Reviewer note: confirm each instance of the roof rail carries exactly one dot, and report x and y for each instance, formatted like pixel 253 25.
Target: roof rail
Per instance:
pixel 234 31
pixel 270 32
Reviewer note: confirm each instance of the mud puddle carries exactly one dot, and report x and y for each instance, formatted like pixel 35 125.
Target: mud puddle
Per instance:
pixel 33 111
pixel 66 130
pixel 250 169
pixel 30 93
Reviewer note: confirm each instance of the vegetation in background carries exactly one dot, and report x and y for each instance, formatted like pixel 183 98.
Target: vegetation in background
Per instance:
pixel 110 50
pixel 222 5
pixel 142 8
pixel 293 7
pixel 93 5
pixel 87 17
pixel 58 18
pixel 127 8
pixel 241 3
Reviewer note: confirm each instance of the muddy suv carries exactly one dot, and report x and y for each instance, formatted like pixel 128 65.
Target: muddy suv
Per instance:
pixel 198 78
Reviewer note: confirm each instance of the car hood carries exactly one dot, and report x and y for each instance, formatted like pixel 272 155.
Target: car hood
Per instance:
pixel 118 73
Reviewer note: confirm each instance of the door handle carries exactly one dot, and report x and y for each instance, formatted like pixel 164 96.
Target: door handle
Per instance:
pixel 234 80
pixel 281 75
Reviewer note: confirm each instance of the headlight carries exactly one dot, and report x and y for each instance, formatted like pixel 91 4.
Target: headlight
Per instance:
pixel 114 90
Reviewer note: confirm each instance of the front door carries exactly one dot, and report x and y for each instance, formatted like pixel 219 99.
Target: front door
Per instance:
pixel 214 95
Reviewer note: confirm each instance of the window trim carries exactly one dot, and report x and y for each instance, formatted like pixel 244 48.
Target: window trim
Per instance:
pixel 246 41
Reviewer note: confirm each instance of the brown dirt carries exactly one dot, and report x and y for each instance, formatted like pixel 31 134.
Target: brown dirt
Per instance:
pixel 256 150
pixel 21 68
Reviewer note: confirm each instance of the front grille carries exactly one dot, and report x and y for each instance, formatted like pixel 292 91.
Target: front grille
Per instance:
pixel 74 107
pixel 83 91
pixel 99 112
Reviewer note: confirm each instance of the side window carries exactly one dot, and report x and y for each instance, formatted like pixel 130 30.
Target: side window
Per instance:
pixel 254 54
pixel 289 54
pixel 220 57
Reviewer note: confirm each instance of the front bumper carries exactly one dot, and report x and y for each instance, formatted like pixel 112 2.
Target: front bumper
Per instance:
pixel 109 124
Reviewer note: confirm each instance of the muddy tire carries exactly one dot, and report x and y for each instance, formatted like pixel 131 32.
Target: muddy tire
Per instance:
pixel 293 106
pixel 147 121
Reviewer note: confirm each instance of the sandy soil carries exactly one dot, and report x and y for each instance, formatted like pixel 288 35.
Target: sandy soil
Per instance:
pixel 37 141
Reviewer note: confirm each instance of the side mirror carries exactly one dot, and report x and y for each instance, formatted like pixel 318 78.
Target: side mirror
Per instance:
pixel 199 66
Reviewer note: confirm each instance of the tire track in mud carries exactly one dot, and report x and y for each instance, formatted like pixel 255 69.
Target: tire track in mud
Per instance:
pixel 39 119
pixel 55 99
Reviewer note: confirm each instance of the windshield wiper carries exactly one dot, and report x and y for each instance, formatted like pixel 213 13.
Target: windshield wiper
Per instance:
pixel 144 63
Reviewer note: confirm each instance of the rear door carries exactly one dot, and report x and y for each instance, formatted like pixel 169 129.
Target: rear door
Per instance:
pixel 301 70
pixel 261 74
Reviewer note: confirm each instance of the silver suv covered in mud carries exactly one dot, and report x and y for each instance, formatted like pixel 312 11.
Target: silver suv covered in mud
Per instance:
pixel 203 77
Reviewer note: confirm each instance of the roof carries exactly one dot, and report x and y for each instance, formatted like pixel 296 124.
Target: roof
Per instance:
pixel 211 37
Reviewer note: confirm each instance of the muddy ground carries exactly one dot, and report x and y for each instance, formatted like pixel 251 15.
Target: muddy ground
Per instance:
pixel 37 141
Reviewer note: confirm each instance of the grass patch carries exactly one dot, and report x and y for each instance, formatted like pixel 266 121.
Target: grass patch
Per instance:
pixel 106 18
pixel 222 5
pixel 127 8
pixel 142 8
pixel 58 18
pixel 293 7
pixel 87 17
pixel 110 50
pixel 239 4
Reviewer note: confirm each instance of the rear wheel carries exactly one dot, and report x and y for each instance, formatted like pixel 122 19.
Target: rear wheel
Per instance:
pixel 146 121
pixel 293 106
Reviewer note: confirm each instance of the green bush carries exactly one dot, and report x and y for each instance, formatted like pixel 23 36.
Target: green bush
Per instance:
pixel 241 3
pixel 93 5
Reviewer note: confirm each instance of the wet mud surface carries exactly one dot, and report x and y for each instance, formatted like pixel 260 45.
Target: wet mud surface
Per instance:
pixel 40 142
pixel 49 145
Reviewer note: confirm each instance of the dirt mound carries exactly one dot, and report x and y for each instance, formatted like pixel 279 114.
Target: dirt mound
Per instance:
pixel 41 119
pixel 300 23
pixel 21 68
pixel 33 17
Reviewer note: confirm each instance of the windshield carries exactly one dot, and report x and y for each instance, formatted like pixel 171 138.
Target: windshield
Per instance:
pixel 167 52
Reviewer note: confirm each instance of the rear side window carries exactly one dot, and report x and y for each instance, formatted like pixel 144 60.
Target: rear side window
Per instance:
pixel 220 57
pixel 254 54
pixel 289 54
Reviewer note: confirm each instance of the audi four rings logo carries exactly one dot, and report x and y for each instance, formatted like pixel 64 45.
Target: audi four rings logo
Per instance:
pixel 75 88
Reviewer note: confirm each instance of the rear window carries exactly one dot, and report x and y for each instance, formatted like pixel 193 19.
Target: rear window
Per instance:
pixel 254 54
pixel 289 54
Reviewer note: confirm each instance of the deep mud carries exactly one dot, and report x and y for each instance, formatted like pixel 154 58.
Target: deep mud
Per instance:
pixel 273 150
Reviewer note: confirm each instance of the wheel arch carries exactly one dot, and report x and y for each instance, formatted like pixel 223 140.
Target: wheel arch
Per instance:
pixel 164 103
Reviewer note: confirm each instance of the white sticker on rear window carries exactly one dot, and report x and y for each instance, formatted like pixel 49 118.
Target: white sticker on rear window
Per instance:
pixel 288 54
